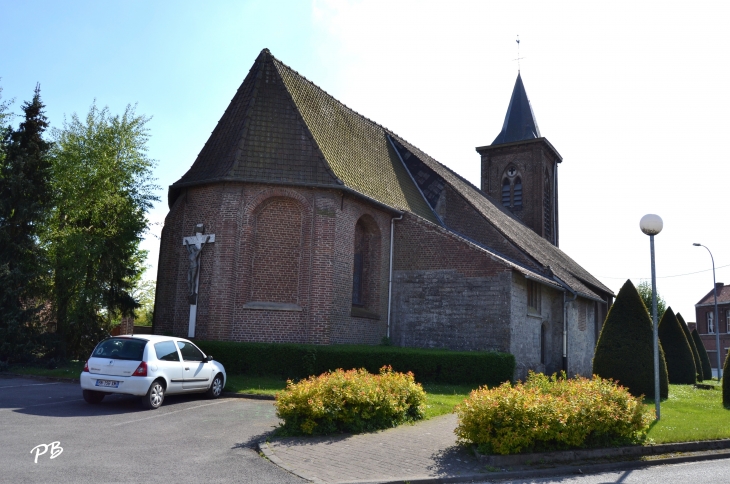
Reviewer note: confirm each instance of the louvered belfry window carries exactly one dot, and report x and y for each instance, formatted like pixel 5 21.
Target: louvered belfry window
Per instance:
pixel 517 193
pixel 506 189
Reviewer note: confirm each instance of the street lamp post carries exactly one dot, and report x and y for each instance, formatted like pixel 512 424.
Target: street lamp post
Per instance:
pixel 651 225
pixel 717 321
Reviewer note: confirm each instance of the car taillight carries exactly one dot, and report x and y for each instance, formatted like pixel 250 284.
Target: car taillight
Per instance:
pixel 141 370
pixel 86 366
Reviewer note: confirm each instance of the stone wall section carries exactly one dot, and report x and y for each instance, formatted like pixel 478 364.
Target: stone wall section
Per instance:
pixel 581 337
pixel 526 328
pixel 447 292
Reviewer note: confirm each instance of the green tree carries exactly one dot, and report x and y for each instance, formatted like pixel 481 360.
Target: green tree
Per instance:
pixel 680 362
pixel 695 352
pixel 624 351
pixel 144 294
pixel 103 189
pixel 24 203
pixel 704 357
pixel 644 289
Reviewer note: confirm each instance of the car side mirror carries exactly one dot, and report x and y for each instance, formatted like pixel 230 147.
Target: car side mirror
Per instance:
pixel 207 359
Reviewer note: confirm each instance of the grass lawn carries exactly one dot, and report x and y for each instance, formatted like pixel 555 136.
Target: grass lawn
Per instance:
pixel 691 414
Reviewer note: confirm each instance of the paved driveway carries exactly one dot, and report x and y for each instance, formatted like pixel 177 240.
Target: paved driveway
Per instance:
pixel 188 439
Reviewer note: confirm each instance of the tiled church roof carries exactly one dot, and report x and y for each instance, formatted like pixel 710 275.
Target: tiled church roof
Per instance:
pixel 281 128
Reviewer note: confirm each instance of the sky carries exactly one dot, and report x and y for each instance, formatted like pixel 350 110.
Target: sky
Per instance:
pixel 633 95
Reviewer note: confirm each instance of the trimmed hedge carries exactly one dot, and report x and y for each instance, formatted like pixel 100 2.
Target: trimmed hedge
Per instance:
pixel 624 351
pixel 704 357
pixel 300 361
pixel 549 413
pixel 680 362
pixel 351 401
pixel 695 353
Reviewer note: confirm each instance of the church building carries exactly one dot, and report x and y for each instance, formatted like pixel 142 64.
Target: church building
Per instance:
pixel 303 221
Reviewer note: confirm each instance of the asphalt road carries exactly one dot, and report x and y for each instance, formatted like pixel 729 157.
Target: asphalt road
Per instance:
pixel 188 439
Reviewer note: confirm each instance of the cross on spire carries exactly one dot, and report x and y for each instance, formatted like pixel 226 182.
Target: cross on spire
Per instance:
pixel 518 54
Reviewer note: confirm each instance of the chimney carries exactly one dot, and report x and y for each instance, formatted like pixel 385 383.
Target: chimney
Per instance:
pixel 719 286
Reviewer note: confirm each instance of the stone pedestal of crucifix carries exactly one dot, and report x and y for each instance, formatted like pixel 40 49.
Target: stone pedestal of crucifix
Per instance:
pixel 194 246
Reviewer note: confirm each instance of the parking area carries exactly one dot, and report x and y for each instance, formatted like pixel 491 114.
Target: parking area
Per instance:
pixel 188 439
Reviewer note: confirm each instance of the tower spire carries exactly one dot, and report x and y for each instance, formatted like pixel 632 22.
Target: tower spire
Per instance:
pixel 519 123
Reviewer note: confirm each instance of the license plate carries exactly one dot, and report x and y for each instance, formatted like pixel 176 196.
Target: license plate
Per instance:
pixel 107 383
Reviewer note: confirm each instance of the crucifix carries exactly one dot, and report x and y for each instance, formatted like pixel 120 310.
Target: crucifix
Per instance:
pixel 194 246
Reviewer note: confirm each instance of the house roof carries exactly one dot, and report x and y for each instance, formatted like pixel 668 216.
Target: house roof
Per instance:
pixel 281 128
pixel 519 122
pixel 723 296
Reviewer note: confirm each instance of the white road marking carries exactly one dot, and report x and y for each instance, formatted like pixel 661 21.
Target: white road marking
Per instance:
pixel 174 411
pixel 33 385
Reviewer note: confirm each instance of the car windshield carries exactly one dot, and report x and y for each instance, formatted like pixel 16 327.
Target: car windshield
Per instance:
pixel 121 349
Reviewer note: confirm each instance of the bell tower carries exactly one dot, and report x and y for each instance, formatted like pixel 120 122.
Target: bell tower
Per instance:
pixel 520 168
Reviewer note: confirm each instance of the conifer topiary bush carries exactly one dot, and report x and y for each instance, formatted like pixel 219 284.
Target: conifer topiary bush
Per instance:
pixel 695 353
pixel 677 353
pixel 704 357
pixel 625 351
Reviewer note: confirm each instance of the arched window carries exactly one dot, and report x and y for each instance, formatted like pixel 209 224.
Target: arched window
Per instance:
pixel 276 251
pixel 547 206
pixel 365 264
pixel 512 188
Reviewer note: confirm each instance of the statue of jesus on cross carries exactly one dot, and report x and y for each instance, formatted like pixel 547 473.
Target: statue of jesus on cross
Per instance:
pixel 194 247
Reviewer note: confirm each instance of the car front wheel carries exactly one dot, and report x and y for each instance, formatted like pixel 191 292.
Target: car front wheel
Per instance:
pixel 155 396
pixel 93 397
pixel 216 388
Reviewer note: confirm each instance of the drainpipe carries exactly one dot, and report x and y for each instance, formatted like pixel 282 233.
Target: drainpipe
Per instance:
pixel 565 319
pixel 390 275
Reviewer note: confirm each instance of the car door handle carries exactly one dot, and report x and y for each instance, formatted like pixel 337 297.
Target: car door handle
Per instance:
pixel 187 369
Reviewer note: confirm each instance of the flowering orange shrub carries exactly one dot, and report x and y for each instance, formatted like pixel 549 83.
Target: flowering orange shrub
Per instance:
pixel 549 413
pixel 349 401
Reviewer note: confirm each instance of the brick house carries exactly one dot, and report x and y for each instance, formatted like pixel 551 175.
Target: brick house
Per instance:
pixel 331 229
pixel 707 326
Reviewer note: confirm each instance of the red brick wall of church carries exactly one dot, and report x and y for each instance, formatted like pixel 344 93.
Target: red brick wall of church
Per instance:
pixel 289 246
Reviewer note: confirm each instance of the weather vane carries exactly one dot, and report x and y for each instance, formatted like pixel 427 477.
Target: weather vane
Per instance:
pixel 518 53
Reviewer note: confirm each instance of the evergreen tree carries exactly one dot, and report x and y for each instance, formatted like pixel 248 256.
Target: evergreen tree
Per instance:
pixel 704 358
pixel 680 362
pixel 25 199
pixel 695 353
pixel 624 351
pixel 103 187
pixel 644 289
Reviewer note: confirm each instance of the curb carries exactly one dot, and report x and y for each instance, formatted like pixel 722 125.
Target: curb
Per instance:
pixel 252 396
pixel 632 462
pixel 633 451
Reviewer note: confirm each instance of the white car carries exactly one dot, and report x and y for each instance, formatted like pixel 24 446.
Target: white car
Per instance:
pixel 150 366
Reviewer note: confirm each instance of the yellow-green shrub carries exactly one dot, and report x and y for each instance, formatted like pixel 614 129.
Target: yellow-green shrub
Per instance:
pixel 349 401
pixel 550 413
